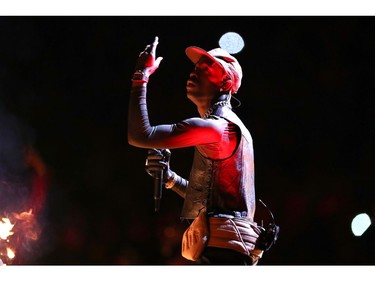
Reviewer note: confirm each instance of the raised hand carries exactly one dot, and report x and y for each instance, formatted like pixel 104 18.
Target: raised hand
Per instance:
pixel 147 61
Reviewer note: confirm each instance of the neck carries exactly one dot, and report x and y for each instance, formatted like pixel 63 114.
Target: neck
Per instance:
pixel 223 100
pixel 203 104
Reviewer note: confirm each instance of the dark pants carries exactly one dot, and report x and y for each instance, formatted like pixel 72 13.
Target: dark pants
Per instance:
pixel 220 256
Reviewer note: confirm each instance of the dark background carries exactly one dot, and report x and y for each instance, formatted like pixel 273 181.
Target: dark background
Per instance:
pixel 306 98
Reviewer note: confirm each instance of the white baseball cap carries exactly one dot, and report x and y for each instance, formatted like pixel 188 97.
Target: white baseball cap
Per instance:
pixel 228 62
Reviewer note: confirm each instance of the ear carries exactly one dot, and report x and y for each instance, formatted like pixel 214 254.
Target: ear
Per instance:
pixel 227 85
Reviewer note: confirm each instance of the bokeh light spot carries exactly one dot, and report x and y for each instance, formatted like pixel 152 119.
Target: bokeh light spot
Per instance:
pixel 360 224
pixel 231 42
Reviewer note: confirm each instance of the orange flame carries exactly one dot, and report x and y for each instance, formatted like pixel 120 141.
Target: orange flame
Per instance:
pixel 28 225
pixel 12 235
pixel 11 254
pixel 17 229
pixel 5 231
pixel 5 228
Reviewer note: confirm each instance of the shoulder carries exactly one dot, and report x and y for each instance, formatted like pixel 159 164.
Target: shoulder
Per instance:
pixel 213 126
pixel 212 121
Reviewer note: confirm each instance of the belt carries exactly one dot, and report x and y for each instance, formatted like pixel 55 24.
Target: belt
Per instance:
pixel 227 214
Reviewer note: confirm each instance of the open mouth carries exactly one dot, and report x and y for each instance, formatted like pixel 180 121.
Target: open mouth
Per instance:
pixel 190 84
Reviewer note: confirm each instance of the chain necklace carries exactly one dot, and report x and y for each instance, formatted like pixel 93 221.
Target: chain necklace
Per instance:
pixel 216 105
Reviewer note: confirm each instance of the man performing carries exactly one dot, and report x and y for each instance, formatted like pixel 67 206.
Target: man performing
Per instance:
pixel 219 196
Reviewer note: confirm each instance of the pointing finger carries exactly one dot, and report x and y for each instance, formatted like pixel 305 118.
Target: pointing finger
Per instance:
pixel 154 44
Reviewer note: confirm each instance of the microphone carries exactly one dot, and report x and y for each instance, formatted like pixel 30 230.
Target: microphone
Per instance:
pixel 158 183
pixel 158 187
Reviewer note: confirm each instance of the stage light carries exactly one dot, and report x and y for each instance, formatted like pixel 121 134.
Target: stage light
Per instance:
pixel 232 42
pixel 360 224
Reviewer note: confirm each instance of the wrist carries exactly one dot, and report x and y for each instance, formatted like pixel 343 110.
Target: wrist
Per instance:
pixel 171 180
pixel 140 76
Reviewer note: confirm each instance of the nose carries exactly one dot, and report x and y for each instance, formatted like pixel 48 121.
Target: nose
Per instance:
pixel 193 75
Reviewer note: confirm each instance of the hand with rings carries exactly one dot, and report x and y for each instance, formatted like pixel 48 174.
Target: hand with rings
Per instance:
pixel 146 61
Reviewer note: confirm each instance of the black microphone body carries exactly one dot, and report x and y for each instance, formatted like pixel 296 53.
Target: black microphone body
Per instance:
pixel 158 183
pixel 158 188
